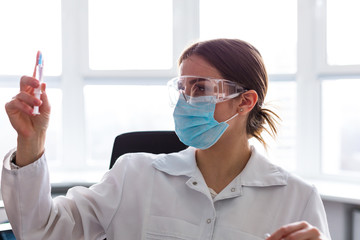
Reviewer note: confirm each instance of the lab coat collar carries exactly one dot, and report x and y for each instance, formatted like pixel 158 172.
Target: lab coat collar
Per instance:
pixel 258 172
pixel 181 163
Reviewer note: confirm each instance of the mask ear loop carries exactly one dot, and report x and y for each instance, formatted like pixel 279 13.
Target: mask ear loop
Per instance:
pixel 232 117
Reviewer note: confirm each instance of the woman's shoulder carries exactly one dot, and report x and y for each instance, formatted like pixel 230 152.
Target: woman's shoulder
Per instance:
pixel 139 159
pixel 176 163
pixel 290 179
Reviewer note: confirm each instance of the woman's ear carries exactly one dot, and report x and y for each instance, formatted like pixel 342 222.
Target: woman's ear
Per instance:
pixel 247 101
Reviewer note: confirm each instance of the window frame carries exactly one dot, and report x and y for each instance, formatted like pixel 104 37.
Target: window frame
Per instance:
pixel 312 70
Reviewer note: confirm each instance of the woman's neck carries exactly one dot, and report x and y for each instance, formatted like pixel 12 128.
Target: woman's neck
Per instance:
pixel 225 160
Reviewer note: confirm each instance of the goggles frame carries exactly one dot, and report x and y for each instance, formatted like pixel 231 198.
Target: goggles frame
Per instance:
pixel 220 91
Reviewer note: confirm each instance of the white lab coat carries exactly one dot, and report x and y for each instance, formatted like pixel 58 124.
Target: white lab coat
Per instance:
pixel 147 196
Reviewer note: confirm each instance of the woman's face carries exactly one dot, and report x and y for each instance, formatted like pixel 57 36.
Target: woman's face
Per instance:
pixel 198 66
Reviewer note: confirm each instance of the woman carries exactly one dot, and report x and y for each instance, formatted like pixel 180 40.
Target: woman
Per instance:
pixel 218 188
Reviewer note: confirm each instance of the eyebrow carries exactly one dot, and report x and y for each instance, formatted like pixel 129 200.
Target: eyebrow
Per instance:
pixel 199 79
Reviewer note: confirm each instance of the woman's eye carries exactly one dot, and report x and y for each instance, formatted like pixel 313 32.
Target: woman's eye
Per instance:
pixel 181 87
pixel 200 88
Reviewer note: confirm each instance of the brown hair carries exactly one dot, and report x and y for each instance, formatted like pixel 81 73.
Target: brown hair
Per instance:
pixel 239 61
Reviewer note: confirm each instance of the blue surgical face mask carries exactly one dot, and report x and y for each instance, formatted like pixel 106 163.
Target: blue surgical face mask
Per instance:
pixel 195 124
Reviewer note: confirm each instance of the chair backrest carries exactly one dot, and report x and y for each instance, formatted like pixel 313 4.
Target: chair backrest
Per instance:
pixel 151 142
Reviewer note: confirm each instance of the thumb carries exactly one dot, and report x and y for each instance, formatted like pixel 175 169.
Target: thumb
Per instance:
pixel 45 106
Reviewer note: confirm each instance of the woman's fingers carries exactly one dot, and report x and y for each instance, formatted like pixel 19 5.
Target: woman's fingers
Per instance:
pixel 308 233
pixel 25 96
pixel 286 230
pixel 23 102
pixel 28 99
pixel 296 231
pixel 27 83
pixel 16 105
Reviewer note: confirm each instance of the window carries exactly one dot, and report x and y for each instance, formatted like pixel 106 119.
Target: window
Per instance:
pixel 29 26
pixel 343 42
pixel 9 141
pixel 109 111
pixel 273 32
pixel 340 79
pixel 124 36
pixel 341 126
pixel 281 98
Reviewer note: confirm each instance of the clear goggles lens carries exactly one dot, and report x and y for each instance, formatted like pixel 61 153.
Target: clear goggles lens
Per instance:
pixel 196 89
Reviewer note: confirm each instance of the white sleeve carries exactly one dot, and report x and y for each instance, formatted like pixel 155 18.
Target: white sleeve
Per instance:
pixel 315 214
pixel 84 213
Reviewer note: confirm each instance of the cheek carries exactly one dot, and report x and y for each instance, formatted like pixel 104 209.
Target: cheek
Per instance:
pixel 224 111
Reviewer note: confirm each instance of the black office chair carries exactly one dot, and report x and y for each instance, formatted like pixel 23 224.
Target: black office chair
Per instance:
pixel 151 142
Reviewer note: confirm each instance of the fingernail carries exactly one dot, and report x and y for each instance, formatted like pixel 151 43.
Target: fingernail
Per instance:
pixel 37 102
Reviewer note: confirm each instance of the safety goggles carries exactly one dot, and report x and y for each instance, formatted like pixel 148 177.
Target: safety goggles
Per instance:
pixel 196 89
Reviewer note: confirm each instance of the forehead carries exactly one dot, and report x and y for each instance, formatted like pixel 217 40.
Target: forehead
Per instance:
pixel 198 66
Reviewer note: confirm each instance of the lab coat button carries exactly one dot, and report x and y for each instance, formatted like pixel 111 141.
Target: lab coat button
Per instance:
pixel 208 221
pixel 194 183
pixel 233 189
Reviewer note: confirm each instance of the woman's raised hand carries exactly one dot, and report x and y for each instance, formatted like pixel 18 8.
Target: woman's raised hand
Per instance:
pixel 31 128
